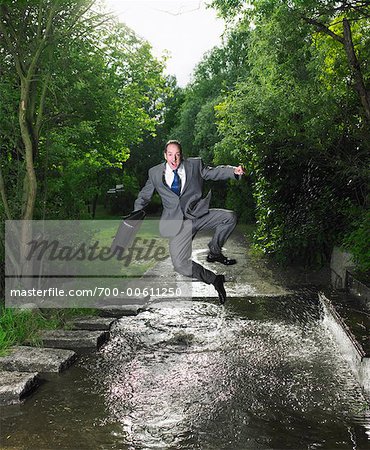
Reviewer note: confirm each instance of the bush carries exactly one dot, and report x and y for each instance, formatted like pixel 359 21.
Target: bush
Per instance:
pixel 357 242
pixel 239 198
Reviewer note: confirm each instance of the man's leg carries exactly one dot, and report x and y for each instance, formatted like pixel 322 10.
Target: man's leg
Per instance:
pixel 180 251
pixel 222 221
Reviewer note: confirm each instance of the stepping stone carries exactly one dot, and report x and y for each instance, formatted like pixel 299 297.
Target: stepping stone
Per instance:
pixel 37 359
pixel 14 386
pixel 92 323
pixel 74 339
pixel 120 311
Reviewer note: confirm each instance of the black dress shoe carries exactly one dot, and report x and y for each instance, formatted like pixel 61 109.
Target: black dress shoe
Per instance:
pixel 219 286
pixel 221 259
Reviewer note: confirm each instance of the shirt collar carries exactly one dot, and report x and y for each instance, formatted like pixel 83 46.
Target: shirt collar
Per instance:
pixel 180 168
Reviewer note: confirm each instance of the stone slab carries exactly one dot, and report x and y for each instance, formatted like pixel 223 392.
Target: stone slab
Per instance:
pixel 92 323
pixel 120 311
pixel 14 386
pixel 74 339
pixel 37 359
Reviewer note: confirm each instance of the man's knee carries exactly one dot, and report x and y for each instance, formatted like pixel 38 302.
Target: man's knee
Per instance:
pixel 181 262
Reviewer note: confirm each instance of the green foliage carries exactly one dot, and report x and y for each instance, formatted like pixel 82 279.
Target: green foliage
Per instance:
pixel 240 199
pixel 17 327
pixel 111 117
pixel 96 90
pixel 228 8
pixel 295 122
pixel 358 243
pixel 214 76
pixel 286 102
pixel 149 151
pixel 103 97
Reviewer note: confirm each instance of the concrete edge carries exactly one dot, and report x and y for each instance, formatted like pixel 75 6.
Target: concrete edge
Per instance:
pixel 351 350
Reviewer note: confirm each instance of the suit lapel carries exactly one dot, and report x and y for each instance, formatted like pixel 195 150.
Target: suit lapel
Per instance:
pixel 163 174
pixel 163 178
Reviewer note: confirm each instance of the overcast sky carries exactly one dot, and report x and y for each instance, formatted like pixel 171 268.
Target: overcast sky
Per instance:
pixel 185 28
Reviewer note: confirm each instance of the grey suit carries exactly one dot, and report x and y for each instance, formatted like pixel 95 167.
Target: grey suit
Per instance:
pixel 189 209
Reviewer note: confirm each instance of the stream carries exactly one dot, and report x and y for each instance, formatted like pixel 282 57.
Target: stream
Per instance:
pixel 258 373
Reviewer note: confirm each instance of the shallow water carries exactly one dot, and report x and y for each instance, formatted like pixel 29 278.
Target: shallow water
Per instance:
pixel 260 373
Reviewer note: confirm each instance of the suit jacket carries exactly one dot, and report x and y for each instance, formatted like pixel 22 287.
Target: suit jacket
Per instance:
pixel 190 204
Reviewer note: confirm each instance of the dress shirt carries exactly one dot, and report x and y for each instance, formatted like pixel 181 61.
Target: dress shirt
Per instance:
pixel 169 175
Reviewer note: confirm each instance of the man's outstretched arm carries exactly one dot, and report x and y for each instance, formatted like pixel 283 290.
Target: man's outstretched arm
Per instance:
pixel 145 195
pixel 219 173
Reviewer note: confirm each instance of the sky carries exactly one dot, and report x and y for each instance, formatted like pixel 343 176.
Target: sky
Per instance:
pixel 186 29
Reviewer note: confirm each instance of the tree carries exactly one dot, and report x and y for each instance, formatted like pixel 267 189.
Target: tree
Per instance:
pixel 149 151
pixel 298 124
pixel 212 79
pixel 29 30
pixel 105 99
pixel 88 90
pixel 323 15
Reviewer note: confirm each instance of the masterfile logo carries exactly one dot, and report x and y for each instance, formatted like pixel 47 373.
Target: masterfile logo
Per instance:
pixel 140 250
pixel 62 260
pixel 79 248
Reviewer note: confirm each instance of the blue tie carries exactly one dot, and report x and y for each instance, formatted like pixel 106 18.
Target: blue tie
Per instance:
pixel 176 183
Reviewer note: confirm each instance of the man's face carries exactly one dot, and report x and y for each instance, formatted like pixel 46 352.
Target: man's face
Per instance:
pixel 173 156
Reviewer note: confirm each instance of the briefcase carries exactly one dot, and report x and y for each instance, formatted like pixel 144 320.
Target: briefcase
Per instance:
pixel 127 230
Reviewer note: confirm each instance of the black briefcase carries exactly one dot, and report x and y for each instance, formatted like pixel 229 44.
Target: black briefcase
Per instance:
pixel 127 230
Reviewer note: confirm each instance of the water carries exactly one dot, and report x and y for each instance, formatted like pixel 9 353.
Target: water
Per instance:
pixel 260 373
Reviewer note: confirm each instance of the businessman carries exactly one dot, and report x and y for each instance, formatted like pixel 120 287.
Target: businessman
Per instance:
pixel 179 183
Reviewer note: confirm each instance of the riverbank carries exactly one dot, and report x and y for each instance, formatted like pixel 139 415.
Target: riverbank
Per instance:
pixel 20 326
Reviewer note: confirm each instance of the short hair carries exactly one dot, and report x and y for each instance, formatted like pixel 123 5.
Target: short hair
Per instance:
pixel 175 142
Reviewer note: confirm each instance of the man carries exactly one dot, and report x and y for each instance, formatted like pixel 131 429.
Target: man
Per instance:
pixel 179 182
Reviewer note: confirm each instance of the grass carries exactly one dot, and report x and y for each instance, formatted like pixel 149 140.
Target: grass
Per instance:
pixel 147 233
pixel 18 327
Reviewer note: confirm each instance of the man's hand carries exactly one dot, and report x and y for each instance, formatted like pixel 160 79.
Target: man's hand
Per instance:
pixel 239 170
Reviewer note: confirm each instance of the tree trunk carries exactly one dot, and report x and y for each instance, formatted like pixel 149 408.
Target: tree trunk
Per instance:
pixel 353 62
pixel 30 181
pixel 356 68
pixel 94 204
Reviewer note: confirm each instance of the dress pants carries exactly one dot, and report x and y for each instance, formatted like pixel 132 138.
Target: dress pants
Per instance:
pixel 222 221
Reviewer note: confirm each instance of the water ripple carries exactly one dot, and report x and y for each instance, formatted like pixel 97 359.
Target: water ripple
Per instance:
pixel 196 375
